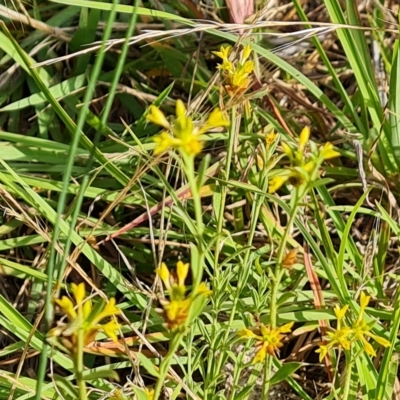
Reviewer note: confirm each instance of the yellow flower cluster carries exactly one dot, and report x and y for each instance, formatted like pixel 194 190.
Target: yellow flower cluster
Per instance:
pixel 236 74
pixel 344 336
pixel 268 340
pixel 183 134
pixel 177 307
pixel 84 318
pixel 303 167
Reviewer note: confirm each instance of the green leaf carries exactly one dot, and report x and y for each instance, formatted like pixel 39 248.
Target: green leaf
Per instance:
pixel 284 372
pixel 140 393
pixel 58 91
pixel 66 387
pixel 108 374
pixel 148 365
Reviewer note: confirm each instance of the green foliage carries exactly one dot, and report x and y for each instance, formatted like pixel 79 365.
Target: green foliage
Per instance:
pixel 285 229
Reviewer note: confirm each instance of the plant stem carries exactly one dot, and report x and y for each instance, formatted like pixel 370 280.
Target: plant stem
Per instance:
pixel 243 275
pixel 220 222
pixel 224 188
pixel 346 389
pixel 165 364
pixel 79 366
pixel 279 273
pixel 198 267
pixel 267 377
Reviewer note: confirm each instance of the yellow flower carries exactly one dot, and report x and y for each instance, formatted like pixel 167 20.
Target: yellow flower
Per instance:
pixel 236 74
pixel 327 152
pixel 340 313
pixel 323 351
pixel 149 393
pixel 344 336
pixel 277 182
pixel 295 176
pixel 157 117
pixel 362 329
pixel 246 53
pixel 177 307
pixel 223 52
pixel 270 139
pixel 82 316
pixel 183 135
pixel 303 167
pixel 341 337
pixel 304 137
pixel 268 340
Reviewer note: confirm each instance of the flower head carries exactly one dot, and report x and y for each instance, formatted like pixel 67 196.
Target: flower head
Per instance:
pixel 304 167
pixel 236 73
pixel 183 135
pixel 177 307
pixel 268 340
pixel 82 316
pixel 345 335
pixel 149 393
pixel 270 138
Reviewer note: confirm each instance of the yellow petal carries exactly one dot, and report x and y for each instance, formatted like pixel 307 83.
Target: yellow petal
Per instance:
pixel 308 167
pixel 156 116
pixel 203 290
pixel 368 347
pixel 163 273
pixel 340 312
pixel 246 333
pixel 110 329
pixel 149 393
pixel 323 351
pixel 164 141
pixel 265 330
pixel 287 150
pixel 328 152
pixel 182 271
pixel 79 292
pixel 180 109
pixel 110 309
pixel 248 67
pixel 223 52
pixel 304 137
pixel 67 307
pixel 87 309
pixel 364 300
pixel 191 146
pixel 216 119
pixel 378 339
pixel 286 328
pixel 270 138
pixel 246 52
pixel 261 354
pixel 276 182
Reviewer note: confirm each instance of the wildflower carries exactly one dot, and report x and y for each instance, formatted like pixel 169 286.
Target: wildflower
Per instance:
pixel 344 336
pixel 362 329
pixel 304 168
pixel 295 175
pixel 149 393
pixel 327 151
pixel 290 259
pixel 183 134
pixel 176 309
pixel 268 340
pixel 83 317
pixel 117 395
pixel 270 139
pixel 236 74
